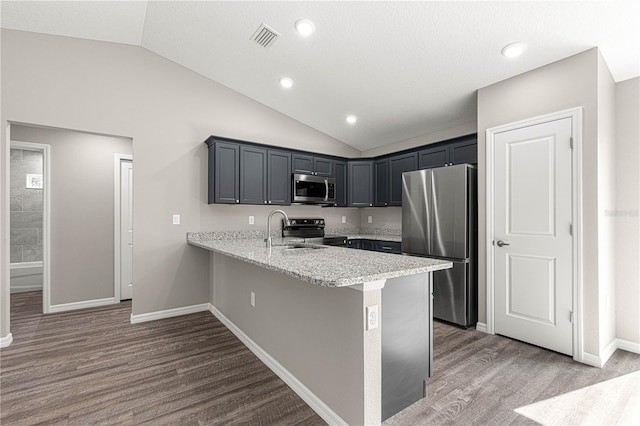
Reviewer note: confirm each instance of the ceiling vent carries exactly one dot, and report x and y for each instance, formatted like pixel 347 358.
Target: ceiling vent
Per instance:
pixel 265 36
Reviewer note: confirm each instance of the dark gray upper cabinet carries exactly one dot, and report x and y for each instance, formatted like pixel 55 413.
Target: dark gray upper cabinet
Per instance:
pixel 381 182
pixel 460 151
pixel 312 165
pixel 226 175
pixel 340 169
pixel 253 169
pixel 433 157
pixel 278 177
pixel 361 183
pixel 464 152
pixel 398 164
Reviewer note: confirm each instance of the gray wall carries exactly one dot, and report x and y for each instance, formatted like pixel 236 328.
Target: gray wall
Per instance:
pixel 82 210
pixel 626 214
pixel 571 82
pixel 26 207
pixel 168 111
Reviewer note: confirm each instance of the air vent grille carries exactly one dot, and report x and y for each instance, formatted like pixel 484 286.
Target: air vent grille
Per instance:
pixel 265 36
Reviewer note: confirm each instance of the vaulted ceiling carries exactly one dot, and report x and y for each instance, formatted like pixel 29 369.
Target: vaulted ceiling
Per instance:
pixel 404 68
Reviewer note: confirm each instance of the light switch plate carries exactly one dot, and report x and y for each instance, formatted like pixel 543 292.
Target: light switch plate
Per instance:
pixel 370 219
pixel 176 219
pixel 252 220
pixel 344 219
pixel 372 317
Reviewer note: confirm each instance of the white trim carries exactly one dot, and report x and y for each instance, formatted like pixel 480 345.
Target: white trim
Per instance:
pixel 608 351
pixel 25 265
pixel 72 306
pixel 6 340
pixel 46 218
pixel 116 222
pixel 24 288
pixel 575 114
pixel 168 313
pixel 628 346
pixel 591 359
pixel 316 404
pixel 480 326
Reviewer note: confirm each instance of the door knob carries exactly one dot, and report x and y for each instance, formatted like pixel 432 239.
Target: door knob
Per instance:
pixel 501 243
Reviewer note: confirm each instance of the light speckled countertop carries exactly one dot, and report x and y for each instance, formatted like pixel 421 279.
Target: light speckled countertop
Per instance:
pixel 326 266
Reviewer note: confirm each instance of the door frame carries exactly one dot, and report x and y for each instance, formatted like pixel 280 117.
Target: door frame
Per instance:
pixel 46 216
pixel 575 114
pixel 117 222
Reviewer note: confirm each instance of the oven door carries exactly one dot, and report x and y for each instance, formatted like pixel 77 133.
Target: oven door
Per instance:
pixel 313 189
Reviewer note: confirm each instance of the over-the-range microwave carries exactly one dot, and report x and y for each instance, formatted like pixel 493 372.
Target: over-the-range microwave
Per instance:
pixel 309 189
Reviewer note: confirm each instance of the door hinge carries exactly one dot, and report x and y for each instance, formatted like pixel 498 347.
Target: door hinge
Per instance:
pixel 571 229
pixel 571 317
pixel 571 142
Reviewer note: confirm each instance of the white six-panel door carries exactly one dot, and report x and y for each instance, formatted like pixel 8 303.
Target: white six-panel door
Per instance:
pixel 532 235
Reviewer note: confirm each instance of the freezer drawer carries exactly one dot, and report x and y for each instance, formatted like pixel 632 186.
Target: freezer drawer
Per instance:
pixel 454 295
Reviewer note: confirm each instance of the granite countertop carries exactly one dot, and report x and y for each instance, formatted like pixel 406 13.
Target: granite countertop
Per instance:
pixel 325 266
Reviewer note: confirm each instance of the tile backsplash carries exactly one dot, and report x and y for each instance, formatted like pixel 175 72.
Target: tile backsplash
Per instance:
pixel 26 205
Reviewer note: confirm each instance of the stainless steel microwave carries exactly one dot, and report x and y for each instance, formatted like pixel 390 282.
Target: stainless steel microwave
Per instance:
pixel 309 189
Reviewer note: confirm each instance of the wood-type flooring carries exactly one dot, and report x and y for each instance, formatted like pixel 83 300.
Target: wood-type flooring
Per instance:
pixel 92 366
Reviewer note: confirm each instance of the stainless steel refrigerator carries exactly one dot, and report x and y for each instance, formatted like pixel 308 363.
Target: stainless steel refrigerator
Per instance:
pixel 439 219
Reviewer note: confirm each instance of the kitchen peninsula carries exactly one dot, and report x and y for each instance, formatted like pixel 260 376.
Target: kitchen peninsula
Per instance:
pixel 348 330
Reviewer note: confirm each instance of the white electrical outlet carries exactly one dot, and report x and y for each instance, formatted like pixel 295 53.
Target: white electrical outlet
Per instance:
pixel 252 220
pixel 372 317
pixel 344 219
pixel 253 299
pixel 370 219
pixel 176 219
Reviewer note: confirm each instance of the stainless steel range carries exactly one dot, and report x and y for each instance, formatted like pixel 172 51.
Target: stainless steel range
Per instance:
pixel 312 230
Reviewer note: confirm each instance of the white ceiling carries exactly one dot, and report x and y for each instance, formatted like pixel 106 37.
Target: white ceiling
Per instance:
pixel 404 68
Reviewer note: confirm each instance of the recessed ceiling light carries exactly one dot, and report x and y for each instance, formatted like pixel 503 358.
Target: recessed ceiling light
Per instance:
pixel 305 27
pixel 351 119
pixel 286 82
pixel 513 50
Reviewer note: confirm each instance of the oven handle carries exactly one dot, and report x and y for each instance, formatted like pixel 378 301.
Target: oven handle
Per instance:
pixel 326 192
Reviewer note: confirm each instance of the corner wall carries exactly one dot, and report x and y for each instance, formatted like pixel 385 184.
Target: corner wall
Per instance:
pixel 626 213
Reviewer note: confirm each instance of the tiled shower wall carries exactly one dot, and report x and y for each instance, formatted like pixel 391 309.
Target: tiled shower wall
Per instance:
pixel 26 207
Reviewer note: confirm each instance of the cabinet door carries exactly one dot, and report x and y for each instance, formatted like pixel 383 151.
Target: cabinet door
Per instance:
pixel 360 183
pixel 354 244
pixel 464 152
pixel 323 166
pixel 253 169
pixel 226 172
pixel 340 168
pixel 381 183
pixel 433 157
pixel 397 166
pixel 302 163
pixel 278 177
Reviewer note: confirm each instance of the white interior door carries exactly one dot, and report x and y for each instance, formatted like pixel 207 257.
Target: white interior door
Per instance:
pixel 532 235
pixel 126 229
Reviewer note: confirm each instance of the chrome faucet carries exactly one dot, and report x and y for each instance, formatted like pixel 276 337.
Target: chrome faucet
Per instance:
pixel 268 240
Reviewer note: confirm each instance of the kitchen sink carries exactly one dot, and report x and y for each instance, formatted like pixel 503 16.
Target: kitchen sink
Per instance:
pixel 297 247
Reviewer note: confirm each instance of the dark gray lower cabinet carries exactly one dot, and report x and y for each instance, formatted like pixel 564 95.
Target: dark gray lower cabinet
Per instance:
pixel 226 176
pixel 361 183
pixel 394 247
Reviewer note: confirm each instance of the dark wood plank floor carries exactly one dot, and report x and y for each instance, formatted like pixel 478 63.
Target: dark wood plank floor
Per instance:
pixel 93 367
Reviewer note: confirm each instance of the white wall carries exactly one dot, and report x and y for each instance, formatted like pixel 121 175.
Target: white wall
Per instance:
pixel 625 215
pixel 168 111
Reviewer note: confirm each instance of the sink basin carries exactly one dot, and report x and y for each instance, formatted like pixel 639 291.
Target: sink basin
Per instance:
pixel 297 247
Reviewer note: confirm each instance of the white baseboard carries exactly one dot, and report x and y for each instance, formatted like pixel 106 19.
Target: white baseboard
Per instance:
pixel 168 313
pixel 591 359
pixel 608 351
pixel 63 307
pixel 6 340
pixel 480 326
pixel 25 288
pixel 322 409
pixel 628 346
